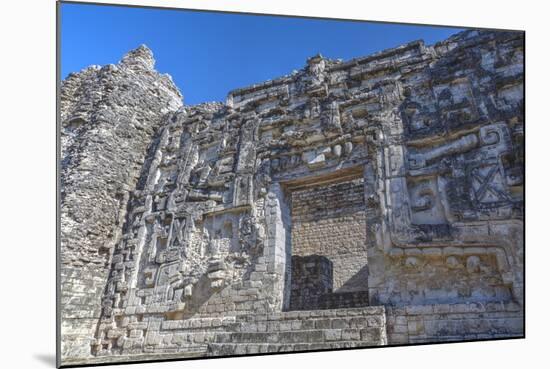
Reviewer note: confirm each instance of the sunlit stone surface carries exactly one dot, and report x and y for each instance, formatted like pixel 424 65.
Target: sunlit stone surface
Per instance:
pixel 370 202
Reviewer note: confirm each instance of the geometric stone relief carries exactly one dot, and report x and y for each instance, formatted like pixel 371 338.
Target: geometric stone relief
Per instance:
pixel 377 192
pixel 426 202
pixel 488 185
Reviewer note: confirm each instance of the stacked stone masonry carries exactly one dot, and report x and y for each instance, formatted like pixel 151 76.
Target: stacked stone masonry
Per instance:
pixel 370 202
pixel 330 221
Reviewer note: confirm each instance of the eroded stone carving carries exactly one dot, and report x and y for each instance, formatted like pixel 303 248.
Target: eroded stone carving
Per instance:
pixel 409 162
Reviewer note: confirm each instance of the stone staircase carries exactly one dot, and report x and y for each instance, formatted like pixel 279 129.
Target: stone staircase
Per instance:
pixel 302 331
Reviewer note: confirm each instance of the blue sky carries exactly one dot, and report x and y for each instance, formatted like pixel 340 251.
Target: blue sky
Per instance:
pixel 208 54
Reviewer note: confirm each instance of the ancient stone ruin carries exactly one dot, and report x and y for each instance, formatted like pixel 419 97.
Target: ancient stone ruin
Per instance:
pixel 376 201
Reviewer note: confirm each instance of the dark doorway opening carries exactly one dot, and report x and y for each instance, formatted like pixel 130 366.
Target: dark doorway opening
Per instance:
pixel 329 266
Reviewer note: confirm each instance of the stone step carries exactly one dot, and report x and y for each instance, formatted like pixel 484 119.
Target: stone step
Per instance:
pixel 302 300
pixel 311 323
pixel 370 334
pixel 301 314
pixel 251 348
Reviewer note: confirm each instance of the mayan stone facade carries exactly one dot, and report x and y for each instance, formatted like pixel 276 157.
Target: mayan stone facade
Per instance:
pixel 369 202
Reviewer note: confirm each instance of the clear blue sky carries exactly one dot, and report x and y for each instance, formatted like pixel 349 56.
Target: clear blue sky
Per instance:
pixel 208 54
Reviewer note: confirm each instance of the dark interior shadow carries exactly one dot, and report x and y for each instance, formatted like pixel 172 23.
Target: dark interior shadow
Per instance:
pixel 48 359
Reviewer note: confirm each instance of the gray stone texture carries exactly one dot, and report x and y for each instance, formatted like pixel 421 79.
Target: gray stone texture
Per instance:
pixel 330 220
pixel 109 116
pixel 188 230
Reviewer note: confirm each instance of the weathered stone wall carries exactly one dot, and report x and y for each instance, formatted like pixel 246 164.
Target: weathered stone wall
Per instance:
pixel 304 330
pixel 109 116
pixel 429 140
pixel 454 322
pixel 452 196
pixel 445 277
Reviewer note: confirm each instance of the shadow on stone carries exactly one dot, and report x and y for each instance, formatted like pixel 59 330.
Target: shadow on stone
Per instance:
pixel 357 282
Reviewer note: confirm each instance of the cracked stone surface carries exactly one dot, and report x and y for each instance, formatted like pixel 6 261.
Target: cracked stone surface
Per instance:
pixel 351 203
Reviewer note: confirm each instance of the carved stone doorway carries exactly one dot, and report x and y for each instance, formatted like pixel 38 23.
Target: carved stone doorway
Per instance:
pixel 327 266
